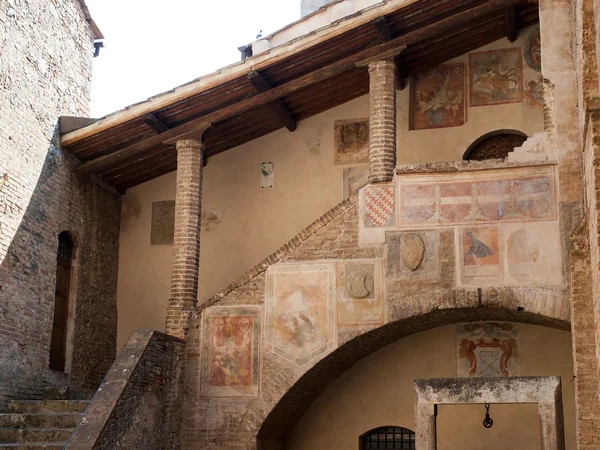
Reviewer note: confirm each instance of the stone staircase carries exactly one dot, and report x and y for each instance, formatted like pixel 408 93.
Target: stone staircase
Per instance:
pixel 39 424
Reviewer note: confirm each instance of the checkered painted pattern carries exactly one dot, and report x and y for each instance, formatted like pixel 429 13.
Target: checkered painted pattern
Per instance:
pixel 380 207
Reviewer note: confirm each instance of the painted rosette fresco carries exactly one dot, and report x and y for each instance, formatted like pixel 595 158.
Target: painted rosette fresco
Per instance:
pixel 300 311
pixel 380 206
pixel 477 198
pixel 488 349
pixel 231 352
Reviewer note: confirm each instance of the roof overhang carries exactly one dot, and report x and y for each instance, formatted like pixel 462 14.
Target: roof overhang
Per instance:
pixel 289 83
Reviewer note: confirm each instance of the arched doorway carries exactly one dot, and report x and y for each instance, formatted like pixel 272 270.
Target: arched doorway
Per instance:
pixel 58 341
pixel 494 145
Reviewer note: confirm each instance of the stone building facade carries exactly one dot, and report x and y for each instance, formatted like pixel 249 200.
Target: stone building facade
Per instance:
pixel 46 52
pixel 405 263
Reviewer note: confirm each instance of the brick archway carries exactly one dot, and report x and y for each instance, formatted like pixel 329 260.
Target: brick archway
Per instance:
pixel 294 403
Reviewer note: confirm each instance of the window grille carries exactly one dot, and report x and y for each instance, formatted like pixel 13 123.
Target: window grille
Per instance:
pixel 388 438
pixel 495 147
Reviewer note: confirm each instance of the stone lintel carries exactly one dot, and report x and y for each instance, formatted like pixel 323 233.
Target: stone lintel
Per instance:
pixel 456 391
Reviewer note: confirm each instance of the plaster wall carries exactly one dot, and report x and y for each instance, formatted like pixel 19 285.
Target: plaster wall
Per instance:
pixel 378 391
pixel 253 222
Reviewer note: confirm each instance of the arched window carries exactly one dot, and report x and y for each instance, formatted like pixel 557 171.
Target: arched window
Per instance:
pixel 58 341
pixel 388 438
pixel 494 145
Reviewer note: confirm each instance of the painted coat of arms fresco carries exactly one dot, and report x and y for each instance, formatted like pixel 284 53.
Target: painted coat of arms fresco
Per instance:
pixel 480 252
pixel 300 311
pixel 230 352
pixel 380 206
pixel 488 349
pixel 496 77
pixel 438 98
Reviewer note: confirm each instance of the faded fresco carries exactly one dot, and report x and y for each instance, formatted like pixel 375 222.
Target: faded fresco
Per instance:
pixel 438 98
pixel 488 349
pixel 380 206
pixel 360 288
pixel 354 179
pixel 300 311
pixel 496 77
pixel 351 139
pixel 532 50
pixel 230 352
pixel 162 228
pixel 532 255
pixel 478 198
pixel 480 252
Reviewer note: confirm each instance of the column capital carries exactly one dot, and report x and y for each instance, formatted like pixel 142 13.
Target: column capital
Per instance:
pixel 190 143
pixel 387 63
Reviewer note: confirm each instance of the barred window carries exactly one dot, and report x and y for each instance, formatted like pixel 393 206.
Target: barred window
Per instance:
pixel 388 438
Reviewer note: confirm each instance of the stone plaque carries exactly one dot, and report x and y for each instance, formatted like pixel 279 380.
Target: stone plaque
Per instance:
pixel 163 223
pixel 360 293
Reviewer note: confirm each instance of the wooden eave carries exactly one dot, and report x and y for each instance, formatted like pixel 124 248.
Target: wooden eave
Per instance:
pixel 189 104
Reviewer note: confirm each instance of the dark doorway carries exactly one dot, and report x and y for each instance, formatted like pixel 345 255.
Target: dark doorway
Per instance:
pixel 495 145
pixel 58 342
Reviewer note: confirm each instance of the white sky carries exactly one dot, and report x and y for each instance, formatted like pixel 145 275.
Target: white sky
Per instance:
pixel 152 46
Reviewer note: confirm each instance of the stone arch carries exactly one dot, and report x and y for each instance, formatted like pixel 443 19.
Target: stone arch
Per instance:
pixel 494 145
pixel 297 399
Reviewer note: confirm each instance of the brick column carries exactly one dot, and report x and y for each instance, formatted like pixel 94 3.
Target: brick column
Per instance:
pixel 382 121
pixel 186 245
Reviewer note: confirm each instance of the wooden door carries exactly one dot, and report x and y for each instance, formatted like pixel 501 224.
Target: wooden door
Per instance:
pixel 58 343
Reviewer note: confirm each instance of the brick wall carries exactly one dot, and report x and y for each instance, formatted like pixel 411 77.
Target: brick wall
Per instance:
pixel 139 403
pixel 46 50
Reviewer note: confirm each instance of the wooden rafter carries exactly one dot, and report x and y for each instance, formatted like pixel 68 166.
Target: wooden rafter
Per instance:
pixel 383 29
pixel 387 49
pixel 276 106
pixel 512 32
pixel 154 122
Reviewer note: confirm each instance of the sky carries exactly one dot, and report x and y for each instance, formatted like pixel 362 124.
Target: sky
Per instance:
pixel 152 46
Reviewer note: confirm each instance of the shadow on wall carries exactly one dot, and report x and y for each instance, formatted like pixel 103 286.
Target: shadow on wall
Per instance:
pixel 29 233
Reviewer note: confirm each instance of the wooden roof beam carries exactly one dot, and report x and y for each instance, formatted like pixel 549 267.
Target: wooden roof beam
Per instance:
pixel 277 106
pixel 383 29
pixel 385 50
pixel 155 123
pixel 512 32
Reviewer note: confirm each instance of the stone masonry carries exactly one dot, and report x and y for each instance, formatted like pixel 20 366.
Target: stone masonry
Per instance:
pixel 46 50
pixel 139 403
pixel 382 122
pixel 186 245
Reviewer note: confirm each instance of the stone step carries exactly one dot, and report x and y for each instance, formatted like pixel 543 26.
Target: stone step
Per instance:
pixel 34 446
pixel 40 420
pixel 47 406
pixel 26 435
